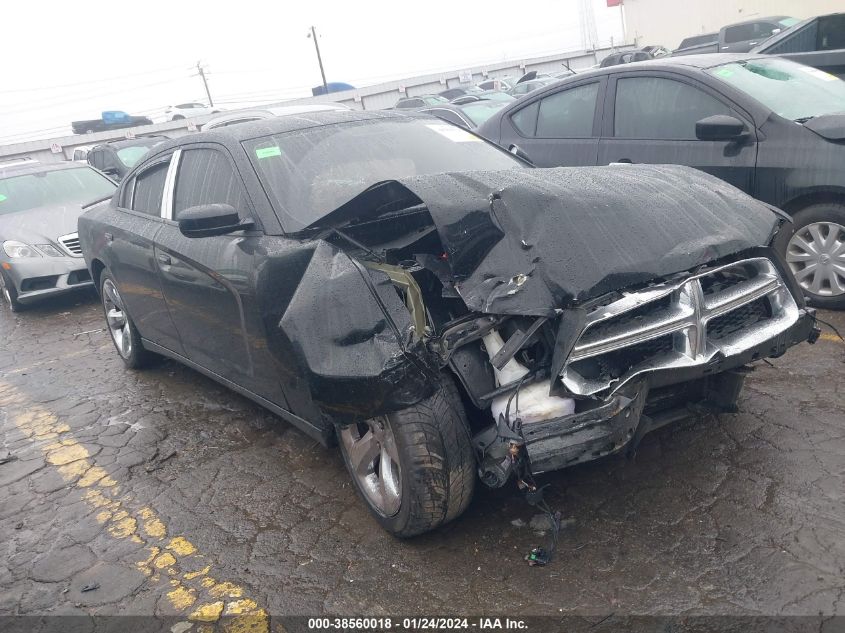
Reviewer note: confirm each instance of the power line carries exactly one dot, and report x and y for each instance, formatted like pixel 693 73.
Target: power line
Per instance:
pixel 91 81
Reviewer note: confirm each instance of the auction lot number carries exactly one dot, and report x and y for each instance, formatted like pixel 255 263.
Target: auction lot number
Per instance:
pixel 413 624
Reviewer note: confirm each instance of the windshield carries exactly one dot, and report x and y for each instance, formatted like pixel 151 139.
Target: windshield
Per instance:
pixel 314 171
pixel 130 156
pixel 64 186
pixel 791 90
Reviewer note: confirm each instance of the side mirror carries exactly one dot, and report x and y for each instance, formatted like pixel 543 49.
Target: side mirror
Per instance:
pixel 207 220
pixel 720 127
pixel 517 151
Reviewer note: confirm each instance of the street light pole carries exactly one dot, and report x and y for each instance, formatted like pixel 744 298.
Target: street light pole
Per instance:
pixel 313 35
pixel 201 72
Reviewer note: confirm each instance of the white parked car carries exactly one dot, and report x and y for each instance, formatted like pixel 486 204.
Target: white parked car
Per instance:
pixel 187 110
pixel 244 116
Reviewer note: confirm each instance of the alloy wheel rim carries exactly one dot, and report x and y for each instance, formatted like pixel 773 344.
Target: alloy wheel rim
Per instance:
pixel 816 256
pixel 6 294
pixel 116 319
pixel 374 461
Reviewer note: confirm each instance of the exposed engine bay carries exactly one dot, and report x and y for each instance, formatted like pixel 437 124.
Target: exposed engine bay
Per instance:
pixel 578 309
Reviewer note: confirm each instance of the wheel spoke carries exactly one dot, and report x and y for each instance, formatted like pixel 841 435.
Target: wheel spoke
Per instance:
pixel 799 242
pixel 805 272
pixel 111 291
pixel 819 239
pixel 802 256
pixel 389 482
pixel 115 318
pixel 363 452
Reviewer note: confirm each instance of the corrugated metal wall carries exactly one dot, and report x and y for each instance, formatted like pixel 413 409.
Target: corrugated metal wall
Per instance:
pixel 667 22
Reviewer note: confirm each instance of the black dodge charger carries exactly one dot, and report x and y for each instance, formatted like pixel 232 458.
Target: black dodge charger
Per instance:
pixel 444 312
pixel 771 127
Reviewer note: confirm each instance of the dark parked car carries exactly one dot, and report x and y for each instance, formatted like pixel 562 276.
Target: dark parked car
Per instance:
pixel 118 157
pixel 740 37
pixel 470 115
pixel 39 207
pixel 523 88
pixel 698 40
pixel 818 42
pixel 435 305
pixel 625 57
pixel 771 127
pixel 452 93
pixel 415 103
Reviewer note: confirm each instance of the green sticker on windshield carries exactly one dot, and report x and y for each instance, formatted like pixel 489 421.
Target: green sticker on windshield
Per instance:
pixel 724 72
pixel 267 152
pixel 2 198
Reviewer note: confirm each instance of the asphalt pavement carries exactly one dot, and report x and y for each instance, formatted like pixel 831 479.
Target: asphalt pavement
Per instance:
pixel 160 492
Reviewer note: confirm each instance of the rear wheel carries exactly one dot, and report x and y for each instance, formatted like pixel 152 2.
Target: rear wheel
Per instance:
pixel 123 332
pixel 815 253
pixel 10 294
pixel 414 468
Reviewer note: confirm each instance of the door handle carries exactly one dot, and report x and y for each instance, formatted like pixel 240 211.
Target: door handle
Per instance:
pixel 164 259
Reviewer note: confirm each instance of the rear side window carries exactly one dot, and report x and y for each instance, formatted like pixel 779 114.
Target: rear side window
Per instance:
pixel 149 187
pixel 741 33
pixel 568 114
pixel 831 32
pixel 658 108
pixel 206 177
pixel 525 120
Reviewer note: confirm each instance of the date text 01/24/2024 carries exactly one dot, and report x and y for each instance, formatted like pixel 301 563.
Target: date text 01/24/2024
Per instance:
pixel 414 624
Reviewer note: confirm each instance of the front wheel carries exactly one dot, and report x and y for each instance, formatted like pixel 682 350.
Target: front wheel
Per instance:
pixel 10 294
pixel 815 253
pixel 123 332
pixel 414 468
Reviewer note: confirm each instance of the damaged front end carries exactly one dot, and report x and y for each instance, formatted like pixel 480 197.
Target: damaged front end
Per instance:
pixel 578 308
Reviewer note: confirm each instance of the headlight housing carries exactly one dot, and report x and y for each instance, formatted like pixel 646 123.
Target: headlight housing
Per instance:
pixel 50 250
pixel 19 249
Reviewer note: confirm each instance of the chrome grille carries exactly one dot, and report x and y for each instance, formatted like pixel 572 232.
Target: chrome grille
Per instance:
pixel 70 243
pixel 677 324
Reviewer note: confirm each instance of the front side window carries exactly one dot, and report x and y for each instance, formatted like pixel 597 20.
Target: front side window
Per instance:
pixel 205 176
pixel 740 33
pixel 793 91
pixel 78 185
pixel 658 108
pixel 568 113
pixel 801 41
pixel 149 188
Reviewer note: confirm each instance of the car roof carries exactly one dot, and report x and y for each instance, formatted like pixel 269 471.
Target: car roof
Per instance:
pixel 769 18
pixel 22 169
pixel 700 62
pixel 279 125
pixel 133 142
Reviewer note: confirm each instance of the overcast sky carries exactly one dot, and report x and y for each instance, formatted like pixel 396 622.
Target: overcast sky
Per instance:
pixel 64 61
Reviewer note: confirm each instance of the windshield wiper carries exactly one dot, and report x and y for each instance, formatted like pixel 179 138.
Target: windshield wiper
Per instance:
pixel 804 119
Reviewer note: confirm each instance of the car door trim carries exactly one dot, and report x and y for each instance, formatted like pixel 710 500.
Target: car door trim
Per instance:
pixel 169 186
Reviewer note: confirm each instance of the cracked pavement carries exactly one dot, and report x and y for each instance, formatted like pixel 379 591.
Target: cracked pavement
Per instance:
pixel 161 492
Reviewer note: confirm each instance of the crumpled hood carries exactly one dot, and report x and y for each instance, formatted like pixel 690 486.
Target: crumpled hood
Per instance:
pixel 829 126
pixel 530 241
pixel 43 223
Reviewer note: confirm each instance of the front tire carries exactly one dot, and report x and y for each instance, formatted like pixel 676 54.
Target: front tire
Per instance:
pixel 122 329
pixel 10 294
pixel 414 468
pixel 815 252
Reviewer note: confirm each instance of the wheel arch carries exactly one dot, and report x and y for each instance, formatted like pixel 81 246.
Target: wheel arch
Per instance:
pixel 97 268
pixel 832 196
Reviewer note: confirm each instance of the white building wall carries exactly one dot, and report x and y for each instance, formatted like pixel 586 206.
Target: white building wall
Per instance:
pixel 667 22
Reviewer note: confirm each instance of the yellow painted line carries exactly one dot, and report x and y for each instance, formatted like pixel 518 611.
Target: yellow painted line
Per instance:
pixel 170 559
pixel 827 336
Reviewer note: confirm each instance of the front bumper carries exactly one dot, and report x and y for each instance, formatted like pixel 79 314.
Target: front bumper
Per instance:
pixel 620 421
pixel 40 277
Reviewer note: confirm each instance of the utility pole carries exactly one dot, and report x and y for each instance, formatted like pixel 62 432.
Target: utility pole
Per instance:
pixel 201 72
pixel 313 35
